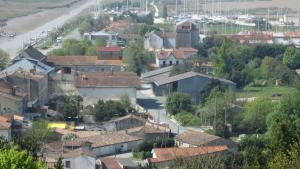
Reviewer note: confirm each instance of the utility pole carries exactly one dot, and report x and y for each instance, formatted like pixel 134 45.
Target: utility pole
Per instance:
pixel 176 7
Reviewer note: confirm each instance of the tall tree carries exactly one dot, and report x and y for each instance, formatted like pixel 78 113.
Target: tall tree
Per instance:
pixel 292 58
pixel 4 58
pixel 136 58
pixel 59 164
pixel 13 159
pixel 178 102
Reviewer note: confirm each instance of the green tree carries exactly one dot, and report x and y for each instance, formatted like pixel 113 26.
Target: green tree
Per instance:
pixel 165 11
pixel 69 106
pixel 100 42
pixel 125 101
pixel 255 114
pixel 291 58
pixel 104 111
pixel 253 149
pixel 178 102
pixel 13 159
pixel 137 58
pixel 59 164
pixel 289 160
pixel 4 58
pixel 272 69
pixel 57 52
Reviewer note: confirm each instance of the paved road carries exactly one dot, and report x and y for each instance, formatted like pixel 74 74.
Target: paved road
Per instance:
pixel 12 46
pixel 155 106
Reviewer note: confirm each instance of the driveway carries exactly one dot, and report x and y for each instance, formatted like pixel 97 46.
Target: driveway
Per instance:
pixel 156 107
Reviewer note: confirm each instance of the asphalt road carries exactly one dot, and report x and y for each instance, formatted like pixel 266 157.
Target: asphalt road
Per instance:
pixel 13 45
pixel 155 106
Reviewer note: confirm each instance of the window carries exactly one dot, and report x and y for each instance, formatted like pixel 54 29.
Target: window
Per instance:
pixel 164 63
pixel 68 164
pixel 66 70
pixel 177 62
pixel 171 63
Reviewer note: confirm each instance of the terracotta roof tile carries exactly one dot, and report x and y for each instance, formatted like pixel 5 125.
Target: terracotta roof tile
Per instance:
pixel 79 152
pixel 73 60
pixel 196 138
pixel 109 49
pixel 104 139
pixel 4 125
pixel 107 79
pixel 167 154
pixel 110 163
pixel 165 54
pixel 188 50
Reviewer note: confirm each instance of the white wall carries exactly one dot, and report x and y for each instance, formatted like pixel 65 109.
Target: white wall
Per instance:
pixel 81 162
pixel 167 61
pixel 6 134
pixel 93 95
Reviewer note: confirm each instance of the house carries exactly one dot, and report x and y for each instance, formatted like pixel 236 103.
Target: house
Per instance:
pixel 192 138
pixel 116 163
pixel 174 57
pixel 253 38
pixel 95 86
pixel 129 121
pixel 110 53
pixel 112 38
pixel 163 157
pixel 106 144
pixel 32 53
pixel 11 101
pixel 187 34
pixel 71 158
pixel 71 64
pixel 169 58
pixel 27 78
pixel 151 131
pixel 79 159
pixel 190 83
pixel 159 39
pixel 5 128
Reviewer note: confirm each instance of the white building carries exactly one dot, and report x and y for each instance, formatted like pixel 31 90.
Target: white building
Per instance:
pixel 174 57
pixel 79 159
pixel 106 144
pixel 5 130
pixel 95 86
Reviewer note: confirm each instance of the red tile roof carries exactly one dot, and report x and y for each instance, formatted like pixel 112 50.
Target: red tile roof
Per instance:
pixel 79 152
pixel 110 163
pixel 162 55
pixel 188 50
pixel 107 79
pixel 168 154
pixel 81 60
pixel 102 140
pixel 109 49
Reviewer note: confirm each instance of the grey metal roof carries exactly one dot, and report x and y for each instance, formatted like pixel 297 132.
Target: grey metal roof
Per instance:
pixel 156 72
pixel 31 52
pixel 27 65
pixel 163 79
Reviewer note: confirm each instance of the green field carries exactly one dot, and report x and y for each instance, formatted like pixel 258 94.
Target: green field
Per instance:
pixel 249 92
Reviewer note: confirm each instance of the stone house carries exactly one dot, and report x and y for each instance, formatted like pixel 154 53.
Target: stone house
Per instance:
pixel 27 79
pixel 106 144
pixel 169 57
pixel 72 64
pixel 187 34
pixel 109 53
pixel 95 86
pixel 116 163
pixel 128 122
pixel 192 138
pixel 164 157
pixel 159 40
pixel 79 159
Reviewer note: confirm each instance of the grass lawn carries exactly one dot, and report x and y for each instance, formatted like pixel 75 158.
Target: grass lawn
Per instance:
pixel 264 91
